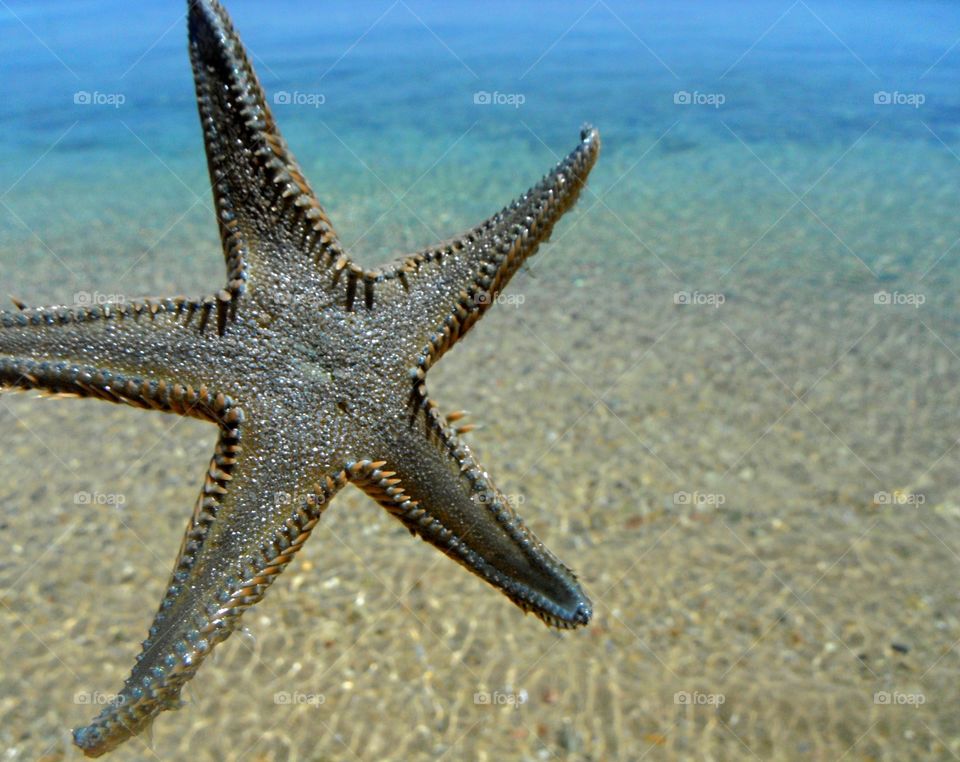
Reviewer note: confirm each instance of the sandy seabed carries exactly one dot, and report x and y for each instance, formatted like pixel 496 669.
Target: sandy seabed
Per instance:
pixel 759 495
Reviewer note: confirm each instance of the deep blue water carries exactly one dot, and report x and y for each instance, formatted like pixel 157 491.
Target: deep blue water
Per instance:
pixel 801 71
pixel 382 93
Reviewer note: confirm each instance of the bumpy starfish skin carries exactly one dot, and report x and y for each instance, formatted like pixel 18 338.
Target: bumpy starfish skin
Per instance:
pixel 313 369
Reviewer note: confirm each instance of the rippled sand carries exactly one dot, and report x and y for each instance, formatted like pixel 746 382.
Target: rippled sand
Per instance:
pixel 769 616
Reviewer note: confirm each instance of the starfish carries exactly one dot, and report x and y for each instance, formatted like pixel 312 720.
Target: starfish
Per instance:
pixel 313 369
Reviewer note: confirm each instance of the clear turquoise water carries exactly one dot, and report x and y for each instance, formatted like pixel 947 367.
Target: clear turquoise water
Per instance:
pixel 398 82
pixel 799 197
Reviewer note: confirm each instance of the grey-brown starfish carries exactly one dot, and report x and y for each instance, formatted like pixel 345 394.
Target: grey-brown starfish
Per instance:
pixel 313 368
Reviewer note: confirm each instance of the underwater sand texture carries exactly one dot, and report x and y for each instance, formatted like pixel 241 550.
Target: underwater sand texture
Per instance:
pixel 781 588
pixel 760 495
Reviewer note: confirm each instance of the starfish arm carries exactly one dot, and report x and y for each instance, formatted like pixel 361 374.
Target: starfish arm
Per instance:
pixel 141 353
pixel 248 524
pixel 429 480
pixel 448 288
pixel 271 224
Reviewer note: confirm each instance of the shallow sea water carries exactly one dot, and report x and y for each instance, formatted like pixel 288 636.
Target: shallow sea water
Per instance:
pixel 758 487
